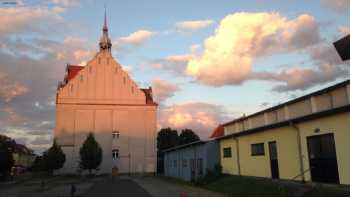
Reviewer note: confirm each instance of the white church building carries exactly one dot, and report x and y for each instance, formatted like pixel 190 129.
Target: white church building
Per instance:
pixel 100 97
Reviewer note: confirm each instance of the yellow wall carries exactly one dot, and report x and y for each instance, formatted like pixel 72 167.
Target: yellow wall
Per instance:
pixel 339 126
pixel 287 148
pixel 229 165
pixel 287 153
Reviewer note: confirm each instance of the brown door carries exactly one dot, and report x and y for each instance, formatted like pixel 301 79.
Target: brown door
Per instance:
pixel 323 158
pixel 274 160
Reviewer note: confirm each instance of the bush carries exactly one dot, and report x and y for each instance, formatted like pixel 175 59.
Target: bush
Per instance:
pixel 211 175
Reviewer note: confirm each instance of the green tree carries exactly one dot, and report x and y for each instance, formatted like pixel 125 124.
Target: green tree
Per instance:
pixel 6 158
pixel 167 138
pixel 54 157
pixel 90 154
pixel 187 136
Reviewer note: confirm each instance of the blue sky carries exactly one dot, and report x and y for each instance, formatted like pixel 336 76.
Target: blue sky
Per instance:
pixel 283 49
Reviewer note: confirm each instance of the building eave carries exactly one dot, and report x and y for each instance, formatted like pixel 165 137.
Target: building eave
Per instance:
pixel 301 119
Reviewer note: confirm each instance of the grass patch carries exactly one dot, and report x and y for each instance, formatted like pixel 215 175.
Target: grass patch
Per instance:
pixel 240 186
pixel 246 187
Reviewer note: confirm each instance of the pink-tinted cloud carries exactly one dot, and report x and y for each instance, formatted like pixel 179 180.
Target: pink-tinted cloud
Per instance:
pixel 173 63
pixel 9 88
pixel 240 38
pixel 137 37
pixel 162 90
pixel 200 117
pixel 344 30
pixel 24 19
pixel 193 24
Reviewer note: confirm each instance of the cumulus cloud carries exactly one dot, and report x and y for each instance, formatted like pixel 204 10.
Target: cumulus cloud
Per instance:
pixel 162 90
pixel 66 3
pixel 198 116
pixel 338 5
pixel 328 66
pixel 10 89
pixel 228 55
pixel 173 63
pixel 38 19
pixel 344 30
pixel 193 24
pixel 137 37
pixel 30 68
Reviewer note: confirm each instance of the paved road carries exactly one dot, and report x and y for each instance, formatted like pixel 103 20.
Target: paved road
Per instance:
pixel 116 188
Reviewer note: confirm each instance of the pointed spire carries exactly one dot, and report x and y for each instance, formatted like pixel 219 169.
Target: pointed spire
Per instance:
pixel 105 21
pixel 105 42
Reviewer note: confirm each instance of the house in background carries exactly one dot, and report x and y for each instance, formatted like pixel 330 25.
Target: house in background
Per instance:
pixel 101 98
pixel 191 161
pixel 23 157
pixel 304 139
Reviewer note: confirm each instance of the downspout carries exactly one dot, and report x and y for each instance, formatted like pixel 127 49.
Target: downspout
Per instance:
pixel 301 162
pixel 238 160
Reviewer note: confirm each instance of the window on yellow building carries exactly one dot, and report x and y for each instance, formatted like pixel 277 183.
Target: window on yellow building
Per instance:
pixel 227 152
pixel 258 149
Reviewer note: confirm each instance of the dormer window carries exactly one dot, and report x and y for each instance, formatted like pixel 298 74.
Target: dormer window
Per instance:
pixel 115 134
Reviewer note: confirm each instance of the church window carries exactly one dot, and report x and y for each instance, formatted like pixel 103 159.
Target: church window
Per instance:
pixel 115 153
pixel 115 134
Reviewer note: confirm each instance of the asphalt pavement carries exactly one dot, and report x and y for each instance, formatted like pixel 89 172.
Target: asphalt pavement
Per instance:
pixel 116 188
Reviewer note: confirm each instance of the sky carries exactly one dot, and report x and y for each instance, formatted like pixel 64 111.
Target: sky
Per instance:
pixel 208 62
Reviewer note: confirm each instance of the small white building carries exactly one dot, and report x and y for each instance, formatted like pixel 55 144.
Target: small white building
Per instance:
pixel 101 98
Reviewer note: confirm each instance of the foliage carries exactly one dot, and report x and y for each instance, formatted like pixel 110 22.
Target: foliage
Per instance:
pixel 7 146
pixel 166 138
pixel 211 175
pixel 90 154
pixel 187 136
pixel 54 158
pixel 38 165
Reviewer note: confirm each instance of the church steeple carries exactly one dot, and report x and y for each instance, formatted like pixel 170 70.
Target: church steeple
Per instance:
pixel 105 42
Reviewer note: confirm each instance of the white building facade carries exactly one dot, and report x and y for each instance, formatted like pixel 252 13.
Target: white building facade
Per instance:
pixel 101 98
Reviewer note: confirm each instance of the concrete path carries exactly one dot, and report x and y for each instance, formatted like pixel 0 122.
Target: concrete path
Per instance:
pixel 116 188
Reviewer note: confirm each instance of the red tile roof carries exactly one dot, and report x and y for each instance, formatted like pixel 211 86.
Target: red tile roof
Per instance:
pixel 218 132
pixel 73 70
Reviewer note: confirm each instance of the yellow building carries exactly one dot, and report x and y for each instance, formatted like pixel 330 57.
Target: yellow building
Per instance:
pixel 303 139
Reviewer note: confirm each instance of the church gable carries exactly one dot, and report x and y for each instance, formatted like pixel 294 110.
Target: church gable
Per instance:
pixel 101 80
